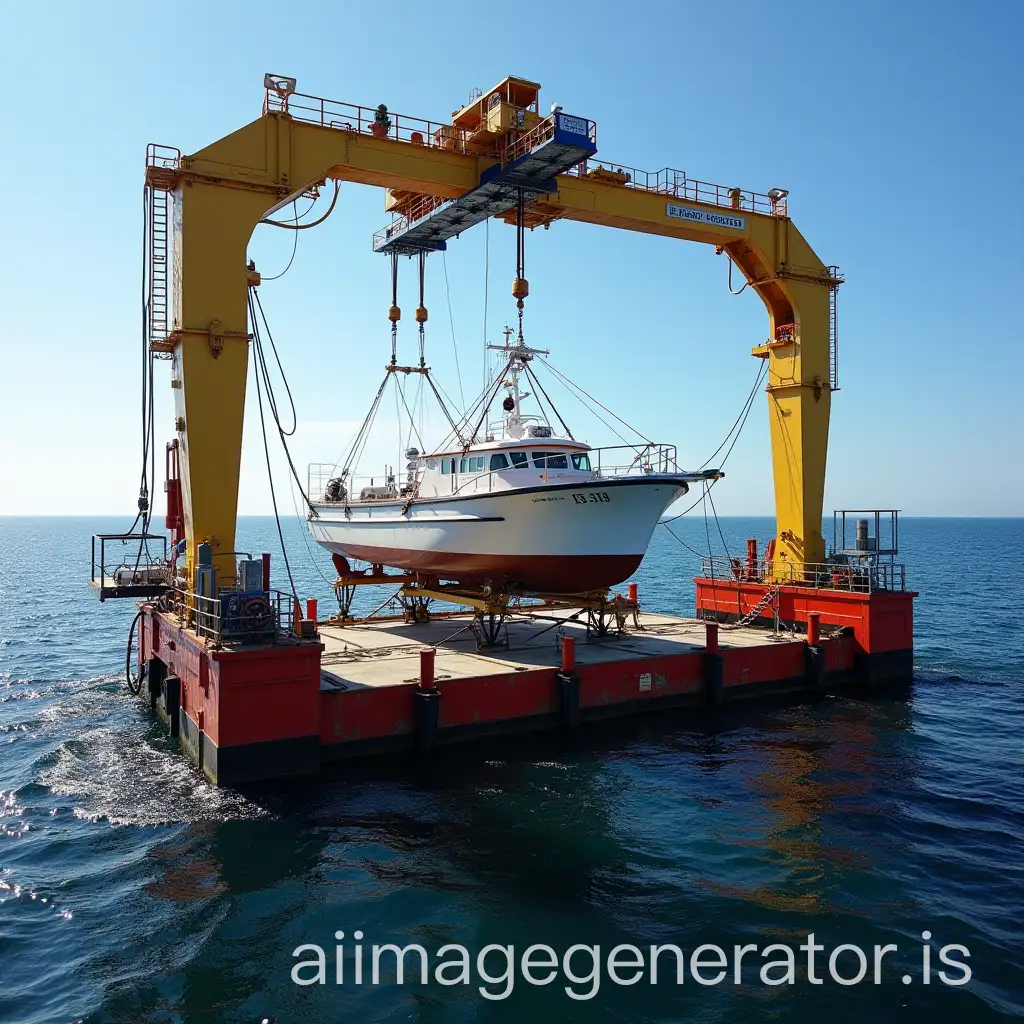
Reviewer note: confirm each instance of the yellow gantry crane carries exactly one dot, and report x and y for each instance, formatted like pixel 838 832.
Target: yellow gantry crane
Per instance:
pixel 497 156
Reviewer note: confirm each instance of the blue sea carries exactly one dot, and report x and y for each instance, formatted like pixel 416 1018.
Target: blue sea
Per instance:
pixel 131 891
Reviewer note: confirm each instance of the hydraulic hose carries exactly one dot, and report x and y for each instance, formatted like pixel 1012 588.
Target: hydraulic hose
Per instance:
pixel 135 688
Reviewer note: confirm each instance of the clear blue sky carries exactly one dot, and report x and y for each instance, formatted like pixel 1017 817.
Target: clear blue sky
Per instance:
pixel 896 128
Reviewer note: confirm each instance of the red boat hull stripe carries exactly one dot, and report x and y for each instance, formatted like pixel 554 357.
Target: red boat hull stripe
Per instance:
pixel 558 574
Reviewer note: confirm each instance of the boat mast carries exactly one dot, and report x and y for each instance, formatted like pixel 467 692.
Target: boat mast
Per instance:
pixel 517 355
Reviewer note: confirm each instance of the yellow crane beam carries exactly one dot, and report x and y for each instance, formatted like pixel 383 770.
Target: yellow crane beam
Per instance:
pixel 223 191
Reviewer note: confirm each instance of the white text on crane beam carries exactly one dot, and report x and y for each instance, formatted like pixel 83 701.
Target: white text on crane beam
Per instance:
pixel 719 220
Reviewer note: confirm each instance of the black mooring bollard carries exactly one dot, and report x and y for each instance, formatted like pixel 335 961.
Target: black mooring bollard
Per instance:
pixel 714 668
pixel 170 702
pixel 568 699
pixel 815 656
pixel 156 672
pixel 427 701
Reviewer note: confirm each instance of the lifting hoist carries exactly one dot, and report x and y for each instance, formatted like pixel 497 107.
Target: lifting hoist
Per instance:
pixel 498 156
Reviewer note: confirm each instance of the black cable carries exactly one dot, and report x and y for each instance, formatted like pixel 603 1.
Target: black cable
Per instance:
pixel 745 414
pixel 261 368
pixel 284 378
pixel 136 687
pixel 301 227
pixel 725 547
pixel 270 481
pixel 742 413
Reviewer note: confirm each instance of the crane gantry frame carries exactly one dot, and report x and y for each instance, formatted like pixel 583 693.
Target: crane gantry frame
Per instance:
pixel 224 190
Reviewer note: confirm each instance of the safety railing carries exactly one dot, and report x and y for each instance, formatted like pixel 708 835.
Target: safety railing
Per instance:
pixel 167 158
pixel 420 207
pixel 862 578
pixel 274 617
pixel 675 183
pixel 352 117
pixel 130 559
pixel 545 130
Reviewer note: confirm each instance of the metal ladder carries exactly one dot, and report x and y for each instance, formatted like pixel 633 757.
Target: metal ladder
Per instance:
pixel 833 328
pixel 159 255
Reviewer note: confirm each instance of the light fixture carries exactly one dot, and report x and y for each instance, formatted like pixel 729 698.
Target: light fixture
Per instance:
pixel 775 194
pixel 281 84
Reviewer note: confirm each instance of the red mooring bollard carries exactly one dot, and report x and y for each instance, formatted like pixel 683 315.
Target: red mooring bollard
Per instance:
pixel 311 609
pixel 427 668
pixel 633 592
pixel 711 637
pixel 266 571
pixel 813 628
pixel 568 654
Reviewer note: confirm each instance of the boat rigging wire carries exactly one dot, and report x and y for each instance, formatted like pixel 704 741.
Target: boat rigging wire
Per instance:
pixel 489 395
pixel 570 383
pixel 305 539
pixel 540 387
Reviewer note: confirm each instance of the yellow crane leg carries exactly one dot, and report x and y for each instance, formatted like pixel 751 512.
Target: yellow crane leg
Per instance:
pixel 211 351
pixel 799 400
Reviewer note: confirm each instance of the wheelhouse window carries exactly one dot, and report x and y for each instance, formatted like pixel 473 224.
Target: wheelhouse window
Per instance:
pixel 471 464
pixel 550 460
pixel 520 460
pixel 581 461
pixel 446 466
pixel 499 462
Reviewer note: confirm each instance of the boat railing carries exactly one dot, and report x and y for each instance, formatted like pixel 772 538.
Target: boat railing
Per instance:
pixel 863 577
pixel 617 461
pixel 643 459
pixel 320 475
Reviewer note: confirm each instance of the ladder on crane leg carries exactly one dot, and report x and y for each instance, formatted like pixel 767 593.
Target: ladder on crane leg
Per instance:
pixel 159 252
pixel 833 328
pixel 162 164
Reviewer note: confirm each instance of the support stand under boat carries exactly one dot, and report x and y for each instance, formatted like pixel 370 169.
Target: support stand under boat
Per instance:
pixel 604 614
pixel 415 608
pixel 490 630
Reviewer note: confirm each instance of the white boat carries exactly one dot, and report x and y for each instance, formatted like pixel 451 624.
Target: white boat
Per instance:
pixel 523 509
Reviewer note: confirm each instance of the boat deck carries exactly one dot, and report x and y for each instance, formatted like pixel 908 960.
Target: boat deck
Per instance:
pixel 386 652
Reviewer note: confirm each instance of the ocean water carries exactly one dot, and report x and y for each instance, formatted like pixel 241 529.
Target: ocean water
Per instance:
pixel 131 891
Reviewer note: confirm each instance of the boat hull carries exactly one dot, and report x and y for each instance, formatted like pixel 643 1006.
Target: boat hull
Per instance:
pixel 561 539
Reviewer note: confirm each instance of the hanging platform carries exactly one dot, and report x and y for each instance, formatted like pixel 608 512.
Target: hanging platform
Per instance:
pixel 558 143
